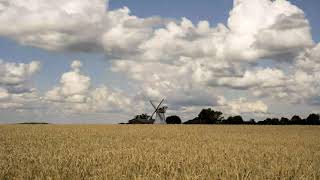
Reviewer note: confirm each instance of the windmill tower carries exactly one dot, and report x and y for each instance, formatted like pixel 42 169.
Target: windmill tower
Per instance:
pixel 160 113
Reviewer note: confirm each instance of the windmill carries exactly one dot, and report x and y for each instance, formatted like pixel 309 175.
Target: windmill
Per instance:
pixel 145 119
pixel 160 113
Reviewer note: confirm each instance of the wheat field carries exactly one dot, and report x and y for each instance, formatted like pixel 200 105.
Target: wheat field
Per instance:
pixel 159 152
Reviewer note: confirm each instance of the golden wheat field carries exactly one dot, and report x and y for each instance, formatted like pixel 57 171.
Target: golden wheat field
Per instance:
pixel 159 152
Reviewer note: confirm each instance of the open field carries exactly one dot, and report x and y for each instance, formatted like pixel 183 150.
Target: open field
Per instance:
pixel 159 152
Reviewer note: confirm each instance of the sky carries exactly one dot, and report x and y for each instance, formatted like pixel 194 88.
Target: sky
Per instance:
pixel 95 61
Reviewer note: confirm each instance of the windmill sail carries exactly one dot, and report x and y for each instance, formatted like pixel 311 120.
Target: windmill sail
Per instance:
pixel 160 117
pixel 160 113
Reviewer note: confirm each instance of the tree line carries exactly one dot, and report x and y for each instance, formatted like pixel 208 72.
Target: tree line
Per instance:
pixel 209 116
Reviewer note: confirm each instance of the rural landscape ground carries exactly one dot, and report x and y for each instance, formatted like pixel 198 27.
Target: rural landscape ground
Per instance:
pixel 159 152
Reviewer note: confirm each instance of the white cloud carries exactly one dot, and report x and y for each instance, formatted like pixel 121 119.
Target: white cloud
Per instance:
pixel 15 91
pixel 54 25
pixel 185 39
pixel 305 82
pixel 76 65
pixel 242 106
pixel 256 29
pixel 4 94
pixel 75 94
pixel 263 78
pixel 300 83
pixel 125 33
pixel 15 77
pixel 309 60
pixel 73 87
pixel 264 28
pixel 180 85
pixel 182 60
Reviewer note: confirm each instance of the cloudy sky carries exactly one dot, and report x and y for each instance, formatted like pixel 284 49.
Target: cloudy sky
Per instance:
pixel 97 61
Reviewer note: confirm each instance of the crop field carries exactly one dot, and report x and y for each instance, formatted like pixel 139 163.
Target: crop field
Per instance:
pixel 159 152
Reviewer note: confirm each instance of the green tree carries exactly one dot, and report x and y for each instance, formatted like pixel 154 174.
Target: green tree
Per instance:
pixel 142 116
pixel 209 116
pixel 313 119
pixel 233 120
pixel 284 121
pixel 173 120
pixel 297 120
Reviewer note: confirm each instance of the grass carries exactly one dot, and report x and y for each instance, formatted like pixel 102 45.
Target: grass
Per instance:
pixel 159 152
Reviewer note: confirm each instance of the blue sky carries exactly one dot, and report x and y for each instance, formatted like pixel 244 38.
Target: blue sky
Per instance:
pixel 214 11
pixel 98 65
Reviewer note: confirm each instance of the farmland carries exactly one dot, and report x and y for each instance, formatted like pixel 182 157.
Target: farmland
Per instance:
pixel 159 152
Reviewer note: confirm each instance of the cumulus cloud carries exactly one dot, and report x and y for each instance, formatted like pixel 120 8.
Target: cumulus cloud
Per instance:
pixel 187 63
pixel 73 86
pixel 262 78
pixel 255 29
pixel 180 59
pixel 4 94
pixel 173 82
pixel 242 106
pixel 301 84
pixel 233 107
pixel 296 83
pixel 125 32
pixel 54 25
pixel 76 25
pixel 309 60
pixel 76 94
pixel 15 90
pixel 304 85
pixel 15 77
pixel 264 28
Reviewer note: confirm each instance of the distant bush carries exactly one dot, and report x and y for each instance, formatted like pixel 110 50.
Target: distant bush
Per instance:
pixel 284 121
pixel 173 120
pixel 207 116
pixel 313 119
pixel 34 123
pixel 210 116
pixel 233 120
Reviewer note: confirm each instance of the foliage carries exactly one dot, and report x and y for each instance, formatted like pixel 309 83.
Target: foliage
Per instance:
pixel 313 119
pixel 173 120
pixel 284 121
pixel 207 116
pixel 269 121
pixel 210 116
pixel 233 120
pixel 297 120
pixel 142 116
